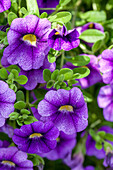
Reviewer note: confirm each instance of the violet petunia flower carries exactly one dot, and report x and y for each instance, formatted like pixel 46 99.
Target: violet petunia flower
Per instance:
pixel 105 101
pixel 75 162
pixel 89 168
pixel 108 161
pixel 27 40
pixel 66 109
pixel 4 144
pixel 7 129
pixel 90 25
pixel 65 144
pixel 106 66
pixel 60 38
pixel 94 76
pixel 36 76
pixel 4 5
pixel 90 144
pixel 13 159
pixel 37 137
pixel 47 4
pixel 7 99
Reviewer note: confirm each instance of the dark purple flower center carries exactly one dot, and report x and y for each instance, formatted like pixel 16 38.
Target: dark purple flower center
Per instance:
pixel 66 108
pixel 35 135
pixel 9 163
pixel 30 38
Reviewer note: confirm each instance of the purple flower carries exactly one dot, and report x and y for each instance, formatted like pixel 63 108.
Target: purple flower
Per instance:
pixel 47 4
pixel 65 144
pixel 94 76
pixel 7 129
pixel 4 144
pixel 90 144
pixel 74 162
pixel 66 109
pixel 89 168
pixel 11 158
pixel 60 38
pixel 7 99
pixel 36 76
pixel 108 161
pixel 36 137
pixel 4 5
pixel 90 25
pixel 27 40
pixel 105 101
pixel 106 66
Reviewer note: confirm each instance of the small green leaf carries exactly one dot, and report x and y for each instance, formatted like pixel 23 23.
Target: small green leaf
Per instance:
pixel 11 17
pixel 101 134
pixel 109 137
pixel 19 122
pixel 50 83
pixel 81 60
pixel 32 5
pixel 21 79
pixel 43 15
pixel 81 72
pixel 20 96
pixel 54 75
pixel 87 97
pixel 13 116
pixel 62 17
pixel 13 87
pixel 25 111
pixel 13 67
pixel 29 120
pixel 98 146
pixel 51 58
pixel 15 73
pixel 107 145
pixel 3 73
pixel 68 73
pixel 92 35
pixel 97 45
pixel 19 105
pixel 2 35
pixel 47 75
pixel 23 10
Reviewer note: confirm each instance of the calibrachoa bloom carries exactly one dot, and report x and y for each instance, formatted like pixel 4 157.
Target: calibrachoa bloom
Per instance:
pixel 90 25
pixel 108 161
pixel 4 144
pixel 60 38
pixel 13 159
pixel 106 66
pixel 27 40
pixel 74 162
pixel 105 101
pixel 4 5
pixel 47 4
pixel 89 168
pixel 7 99
pixel 7 129
pixel 90 144
pixel 65 144
pixel 94 76
pixel 36 76
pixel 67 109
pixel 37 137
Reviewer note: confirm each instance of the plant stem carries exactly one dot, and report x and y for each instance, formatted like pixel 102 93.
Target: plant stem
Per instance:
pixel 27 97
pixel 62 60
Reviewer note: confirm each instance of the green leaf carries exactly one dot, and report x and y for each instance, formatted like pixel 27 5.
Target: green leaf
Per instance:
pixel 54 75
pixel 19 105
pixel 21 79
pixel 92 35
pixel 50 83
pixel 3 73
pixel 29 120
pixel 20 123
pixel 71 82
pixel 47 75
pixel 13 116
pixel 80 72
pixel 64 2
pixel 98 146
pixel 97 45
pixel 23 10
pixel 51 58
pixel 94 16
pixel 32 5
pixel 13 67
pixel 109 137
pixel 2 35
pixel 87 97
pixel 40 93
pixel 15 73
pixel 68 73
pixel 107 145
pixel 62 17
pixel 11 17
pixel 13 87
pixel 61 78
pixel 80 60
pixel 25 111
pixel 43 15
pixel 20 96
